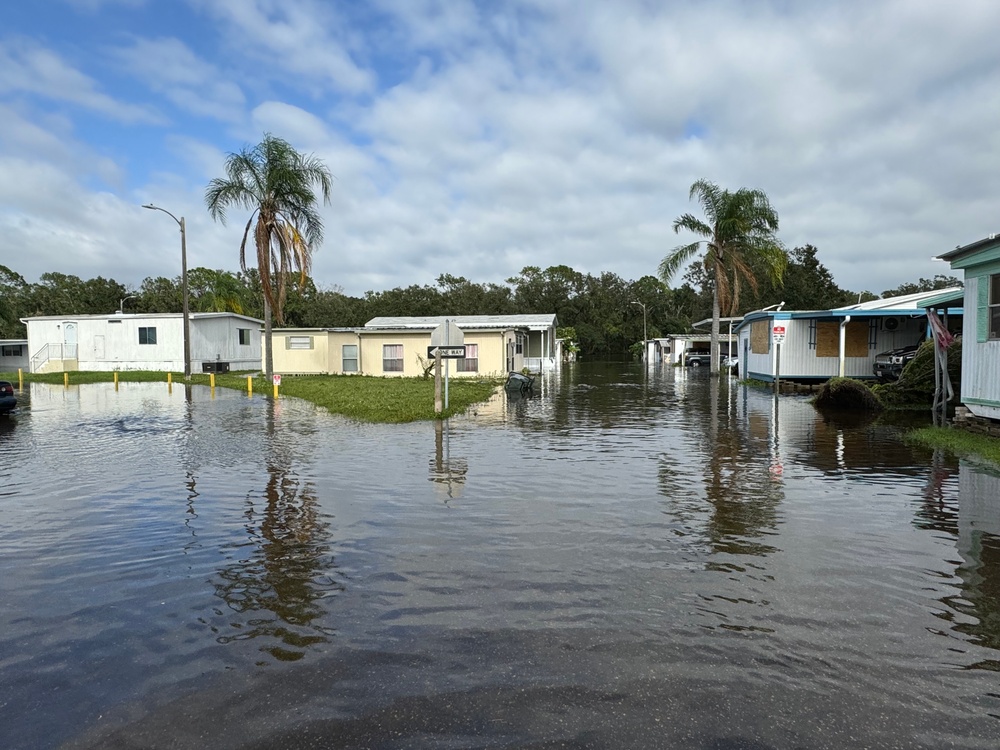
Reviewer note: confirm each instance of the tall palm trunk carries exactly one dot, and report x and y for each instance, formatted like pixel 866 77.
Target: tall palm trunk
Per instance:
pixel 714 366
pixel 268 354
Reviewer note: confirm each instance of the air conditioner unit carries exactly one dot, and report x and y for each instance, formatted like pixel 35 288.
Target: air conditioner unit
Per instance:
pixel 890 324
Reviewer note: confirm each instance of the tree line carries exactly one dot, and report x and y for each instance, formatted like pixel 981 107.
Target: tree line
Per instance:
pixel 598 309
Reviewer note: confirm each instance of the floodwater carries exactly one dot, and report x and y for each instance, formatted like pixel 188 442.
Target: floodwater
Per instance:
pixel 625 560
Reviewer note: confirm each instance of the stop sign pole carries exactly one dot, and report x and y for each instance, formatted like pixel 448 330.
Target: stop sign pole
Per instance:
pixel 778 337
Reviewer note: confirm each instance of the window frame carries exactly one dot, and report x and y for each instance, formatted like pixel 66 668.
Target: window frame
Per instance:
pixel 7 350
pixel 344 359
pixel 993 307
pixel 467 363
pixel 243 333
pixel 149 334
pixel 394 363
pixel 299 343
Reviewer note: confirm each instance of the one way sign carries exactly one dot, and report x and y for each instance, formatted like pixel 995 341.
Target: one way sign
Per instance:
pixel 447 352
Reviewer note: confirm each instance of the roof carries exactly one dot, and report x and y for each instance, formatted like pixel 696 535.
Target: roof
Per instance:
pixel 947 297
pixel 906 304
pixel 533 322
pixel 903 303
pixel 143 316
pixel 963 250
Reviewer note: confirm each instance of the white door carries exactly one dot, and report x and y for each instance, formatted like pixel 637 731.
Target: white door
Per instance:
pixel 98 347
pixel 69 340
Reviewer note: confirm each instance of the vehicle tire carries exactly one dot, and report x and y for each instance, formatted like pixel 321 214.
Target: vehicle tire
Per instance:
pixel 696 363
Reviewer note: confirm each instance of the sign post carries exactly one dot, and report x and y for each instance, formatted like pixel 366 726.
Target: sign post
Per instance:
pixel 778 337
pixel 277 381
pixel 447 336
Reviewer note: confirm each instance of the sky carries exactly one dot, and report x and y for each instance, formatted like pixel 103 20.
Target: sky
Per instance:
pixel 477 138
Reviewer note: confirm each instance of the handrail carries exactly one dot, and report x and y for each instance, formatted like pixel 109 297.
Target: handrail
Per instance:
pixel 49 351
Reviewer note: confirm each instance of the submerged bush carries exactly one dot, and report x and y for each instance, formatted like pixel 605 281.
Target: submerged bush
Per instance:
pixel 846 394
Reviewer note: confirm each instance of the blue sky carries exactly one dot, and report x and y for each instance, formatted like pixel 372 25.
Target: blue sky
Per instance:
pixel 477 138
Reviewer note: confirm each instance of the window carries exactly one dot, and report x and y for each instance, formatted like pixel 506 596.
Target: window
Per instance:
pixel 392 358
pixel 147 335
pixel 298 342
pixel 995 306
pixel 244 336
pixel 520 344
pixel 349 355
pixel 15 350
pixel 471 361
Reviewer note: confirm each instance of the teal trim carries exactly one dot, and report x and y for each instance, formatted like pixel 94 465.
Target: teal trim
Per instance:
pixel 982 267
pixel 981 402
pixel 982 309
pixel 941 298
pixel 991 253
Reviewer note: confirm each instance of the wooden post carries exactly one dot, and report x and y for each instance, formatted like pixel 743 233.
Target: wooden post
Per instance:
pixel 437 382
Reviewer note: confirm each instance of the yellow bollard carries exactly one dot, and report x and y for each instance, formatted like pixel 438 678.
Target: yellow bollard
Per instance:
pixel 20 379
pixel 211 380
pixel 275 390
pixel 170 378
pixel 249 385
pixel 66 379
pixel 116 380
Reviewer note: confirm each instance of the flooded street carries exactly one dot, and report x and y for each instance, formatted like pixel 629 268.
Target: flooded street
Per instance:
pixel 624 560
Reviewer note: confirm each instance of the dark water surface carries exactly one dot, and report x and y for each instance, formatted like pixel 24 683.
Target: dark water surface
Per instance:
pixel 625 560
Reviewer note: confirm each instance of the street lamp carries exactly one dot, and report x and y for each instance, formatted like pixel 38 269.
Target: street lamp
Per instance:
pixel 643 306
pixel 121 304
pixel 184 288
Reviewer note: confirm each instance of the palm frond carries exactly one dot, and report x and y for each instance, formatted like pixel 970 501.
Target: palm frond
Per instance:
pixel 675 259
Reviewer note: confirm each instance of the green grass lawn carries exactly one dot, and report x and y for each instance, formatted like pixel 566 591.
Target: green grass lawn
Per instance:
pixel 959 442
pixel 360 397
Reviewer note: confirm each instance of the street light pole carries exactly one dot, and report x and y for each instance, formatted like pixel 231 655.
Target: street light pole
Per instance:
pixel 643 306
pixel 121 304
pixel 184 288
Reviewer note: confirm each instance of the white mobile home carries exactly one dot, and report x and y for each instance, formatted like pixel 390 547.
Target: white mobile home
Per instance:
pixel 13 355
pixel 820 344
pixel 980 261
pixel 219 342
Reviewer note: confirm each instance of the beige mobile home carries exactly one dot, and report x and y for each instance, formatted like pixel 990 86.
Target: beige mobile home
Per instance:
pixel 397 347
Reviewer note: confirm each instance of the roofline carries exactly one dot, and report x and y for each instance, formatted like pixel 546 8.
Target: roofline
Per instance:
pixel 972 247
pixel 139 316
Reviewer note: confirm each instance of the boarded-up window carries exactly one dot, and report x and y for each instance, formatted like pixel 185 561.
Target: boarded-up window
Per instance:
pixel 828 339
pixel 760 336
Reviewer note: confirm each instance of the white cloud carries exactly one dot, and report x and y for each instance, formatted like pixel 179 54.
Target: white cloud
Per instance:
pixel 555 133
pixel 306 40
pixel 195 86
pixel 28 68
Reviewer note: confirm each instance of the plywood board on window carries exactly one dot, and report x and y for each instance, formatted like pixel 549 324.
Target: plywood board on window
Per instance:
pixel 828 339
pixel 760 336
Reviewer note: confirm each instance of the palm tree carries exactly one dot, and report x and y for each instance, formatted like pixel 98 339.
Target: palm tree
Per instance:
pixel 275 183
pixel 738 232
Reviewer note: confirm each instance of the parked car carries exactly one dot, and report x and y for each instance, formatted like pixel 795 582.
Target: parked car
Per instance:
pixel 731 363
pixel 7 400
pixel 888 365
pixel 697 359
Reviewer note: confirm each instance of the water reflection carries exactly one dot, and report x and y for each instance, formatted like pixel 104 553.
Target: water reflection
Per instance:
pixel 284 570
pixel 972 520
pixel 446 471
pixel 741 474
